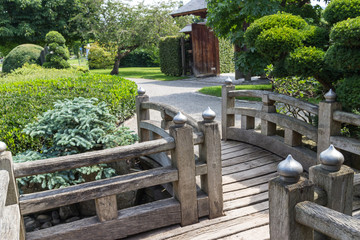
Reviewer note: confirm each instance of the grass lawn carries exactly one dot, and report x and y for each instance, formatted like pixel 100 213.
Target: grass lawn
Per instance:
pixel 139 72
pixel 75 62
pixel 216 90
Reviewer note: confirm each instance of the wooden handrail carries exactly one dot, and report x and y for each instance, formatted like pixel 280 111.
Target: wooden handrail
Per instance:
pixel 327 221
pixel 92 158
pixel 4 184
pixel 346 117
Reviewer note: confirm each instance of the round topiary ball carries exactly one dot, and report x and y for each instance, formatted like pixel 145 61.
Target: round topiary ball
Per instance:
pixel 346 32
pixel 343 58
pixel 25 53
pixel 339 10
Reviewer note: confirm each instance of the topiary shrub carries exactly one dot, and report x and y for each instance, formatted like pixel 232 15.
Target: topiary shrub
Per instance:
pixel 98 58
pixel 348 93
pixel 71 127
pixel 170 56
pixel 251 62
pixel 339 10
pixel 58 52
pixel 346 32
pixel 343 58
pixel 316 36
pixel 26 53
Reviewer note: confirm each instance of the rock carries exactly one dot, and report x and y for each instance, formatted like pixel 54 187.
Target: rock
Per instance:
pixel 66 212
pixel 126 199
pixel 55 222
pixel 55 215
pixel 31 225
pixel 73 219
pixel 46 225
pixel 87 208
pixel 27 219
pixel 43 218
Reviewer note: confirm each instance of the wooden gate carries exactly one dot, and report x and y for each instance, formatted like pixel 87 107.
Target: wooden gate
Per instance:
pixel 205 49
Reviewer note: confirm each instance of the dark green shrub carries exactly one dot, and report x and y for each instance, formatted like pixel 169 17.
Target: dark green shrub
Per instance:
pixel 170 56
pixel 278 20
pixel 5 48
pixel 340 10
pixel 307 11
pixel 98 58
pixel 346 32
pixel 250 62
pixel 26 53
pixel 348 92
pixel 226 56
pixel 316 36
pixel 305 61
pixel 275 43
pixel 343 58
pixel 58 52
pixel 23 100
pixel 141 58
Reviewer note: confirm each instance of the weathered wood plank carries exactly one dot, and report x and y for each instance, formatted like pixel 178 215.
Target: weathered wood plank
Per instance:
pixel 248 183
pixel 142 114
pixel 247 93
pixel 251 164
pixel 153 126
pixel 259 233
pixel 227 102
pixel 329 222
pixel 246 150
pixel 347 144
pixel 4 184
pixel 106 208
pixel 10 224
pixel 36 202
pixel 93 158
pixel 242 202
pixel 246 192
pixel 245 158
pixel 245 111
pixel 234 148
pixel 309 107
pixel 6 163
pixel 346 117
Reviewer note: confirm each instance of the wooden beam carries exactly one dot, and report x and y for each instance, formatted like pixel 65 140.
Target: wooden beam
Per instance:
pixel 106 208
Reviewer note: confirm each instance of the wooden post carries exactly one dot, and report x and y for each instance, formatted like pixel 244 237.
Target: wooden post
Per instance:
pixel 166 121
pixel 282 201
pixel 106 208
pixel 227 120
pixel 268 128
pixel 292 138
pixel 247 122
pixel 142 114
pixel 210 152
pixel 182 158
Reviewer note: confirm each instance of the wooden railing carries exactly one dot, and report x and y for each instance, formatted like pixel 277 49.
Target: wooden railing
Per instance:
pixel 296 210
pixel 185 207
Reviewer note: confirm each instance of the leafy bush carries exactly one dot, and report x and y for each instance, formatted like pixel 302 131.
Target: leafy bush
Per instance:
pixel 346 32
pixel 170 56
pixel 307 11
pixel 226 56
pixel 250 62
pixel 275 43
pixel 305 61
pixel 24 100
pixel 316 37
pixel 348 92
pixel 58 52
pixel 73 126
pixel 148 57
pixel 343 58
pixel 98 58
pixel 26 53
pixel 5 48
pixel 278 20
pixel 339 10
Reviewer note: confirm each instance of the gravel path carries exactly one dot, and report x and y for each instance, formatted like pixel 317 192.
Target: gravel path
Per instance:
pixel 183 95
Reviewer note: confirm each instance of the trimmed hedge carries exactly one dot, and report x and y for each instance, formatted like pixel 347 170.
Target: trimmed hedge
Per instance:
pixel 316 36
pixel 339 10
pixel 141 58
pixel 22 101
pixel 25 53
pixel 170 56
pixel 226 56
pixel 343 58
pixel 348 93
pixel 346 32
pixel 58 52
pixel 98 58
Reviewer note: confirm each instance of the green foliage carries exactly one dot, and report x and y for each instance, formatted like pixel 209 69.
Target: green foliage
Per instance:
pixel 98 58
pixel 24 100
pixel 340 10
pixel 348 93
pixel 277 21
pixel 347 32
pixel 307 12
pixel 316 36
pixel 277 42
pixel 58 52
pixel 250 62
pixel 226 56
pixel 305 61
pixel 343 58
pixel 26 53
pixel 170 56
pixel 73 126
pixel 143 57
pixel 5 48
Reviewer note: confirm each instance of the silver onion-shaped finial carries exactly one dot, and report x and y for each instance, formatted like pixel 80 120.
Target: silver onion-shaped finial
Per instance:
pixel 228 81
pixel 180 119
pixel 330 96
pixel 290 170
pixel 141 91
pixel 331 159
pixel 208 115
pixel 3 147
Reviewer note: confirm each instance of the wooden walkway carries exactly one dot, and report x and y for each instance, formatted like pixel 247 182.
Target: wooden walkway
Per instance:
pixel 246 171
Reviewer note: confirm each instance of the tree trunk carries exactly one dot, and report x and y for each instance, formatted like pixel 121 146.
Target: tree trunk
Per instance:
pixel 115 70
pixel 119 56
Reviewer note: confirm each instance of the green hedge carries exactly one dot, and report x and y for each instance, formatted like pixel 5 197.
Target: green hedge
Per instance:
pixel 340 10
pixel 348 93
pixel 22 101
pixel 26 53
pixel 141 58
pixel 5 48
pixel 98 58
pixel 343 58
pixel 170 56
pixel 226 56
pixel 346 32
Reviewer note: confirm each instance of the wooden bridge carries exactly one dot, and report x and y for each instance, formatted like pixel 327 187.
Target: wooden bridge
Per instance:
pixel 220 191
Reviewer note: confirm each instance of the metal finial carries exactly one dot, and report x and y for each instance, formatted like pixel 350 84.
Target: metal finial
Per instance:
pixel 331 159
pixel 290 170
pixel 141 91
pixel 3 147
pixel 330 96
pixel 180 119
pixel 228 81
pixel 208 115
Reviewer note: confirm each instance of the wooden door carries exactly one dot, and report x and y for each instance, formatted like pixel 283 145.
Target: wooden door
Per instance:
pixel 205 49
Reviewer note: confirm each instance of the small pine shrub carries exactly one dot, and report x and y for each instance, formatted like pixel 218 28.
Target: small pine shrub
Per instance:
pixel 98 58
pixel 26 53
pixel 340 10
pixel 73 126
pixel 58 52
pixel 170 56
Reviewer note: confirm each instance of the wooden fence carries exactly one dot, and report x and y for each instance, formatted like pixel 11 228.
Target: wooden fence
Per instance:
pixel 187 205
